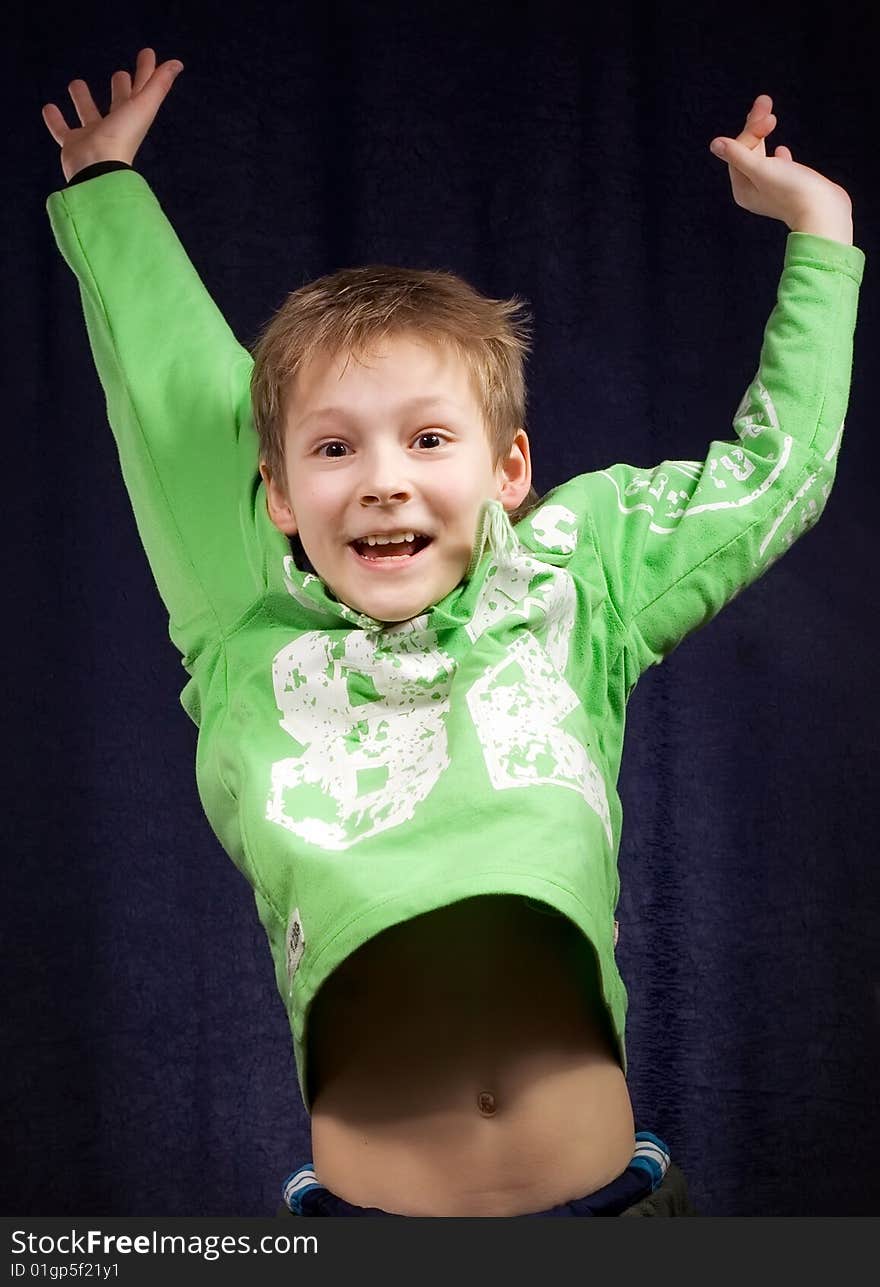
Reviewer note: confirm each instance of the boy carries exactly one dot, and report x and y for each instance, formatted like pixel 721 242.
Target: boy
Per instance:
pixel 451 688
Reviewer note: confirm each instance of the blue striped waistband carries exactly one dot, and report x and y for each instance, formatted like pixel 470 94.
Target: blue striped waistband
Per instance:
pixel 303 1193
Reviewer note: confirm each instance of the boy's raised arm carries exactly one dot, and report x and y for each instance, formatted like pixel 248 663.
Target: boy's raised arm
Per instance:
pixel 679 540
pixel 177 382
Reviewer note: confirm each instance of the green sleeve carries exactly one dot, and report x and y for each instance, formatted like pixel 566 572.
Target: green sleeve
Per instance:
pixel 679 541
pixel 177 386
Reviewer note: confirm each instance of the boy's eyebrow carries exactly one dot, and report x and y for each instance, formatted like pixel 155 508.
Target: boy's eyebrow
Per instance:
pixel 413 404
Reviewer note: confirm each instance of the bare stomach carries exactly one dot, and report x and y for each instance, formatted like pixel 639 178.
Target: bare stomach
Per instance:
pixel 462 1064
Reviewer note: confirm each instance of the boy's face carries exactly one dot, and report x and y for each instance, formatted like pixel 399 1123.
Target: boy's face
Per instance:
pixel 362 459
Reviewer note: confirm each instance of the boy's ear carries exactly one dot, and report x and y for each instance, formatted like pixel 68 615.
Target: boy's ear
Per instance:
pixel 277 504
pixel 515 473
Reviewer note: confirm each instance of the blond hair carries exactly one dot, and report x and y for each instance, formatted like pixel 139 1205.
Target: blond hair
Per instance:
pixel 346 311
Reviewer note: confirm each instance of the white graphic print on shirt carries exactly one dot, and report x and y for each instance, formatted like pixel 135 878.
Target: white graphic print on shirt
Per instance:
pixel 368 709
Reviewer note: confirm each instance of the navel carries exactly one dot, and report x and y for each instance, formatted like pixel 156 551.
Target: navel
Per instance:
pixel 486 1103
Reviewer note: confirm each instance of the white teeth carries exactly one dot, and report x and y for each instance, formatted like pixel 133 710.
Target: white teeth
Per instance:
pixel 396 539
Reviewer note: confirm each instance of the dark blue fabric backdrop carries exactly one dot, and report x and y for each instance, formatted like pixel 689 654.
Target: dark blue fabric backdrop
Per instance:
pixel 537 149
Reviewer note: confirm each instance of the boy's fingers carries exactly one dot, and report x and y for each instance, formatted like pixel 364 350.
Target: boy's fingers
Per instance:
pixel 160 80
pixel 749 144
pixel 120 88
pixel 55 123
pixel 759 123
pixel 83 102
pixel 757 129
pixel 146 65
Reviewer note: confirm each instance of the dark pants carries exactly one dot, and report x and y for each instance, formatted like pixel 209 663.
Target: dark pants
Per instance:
pixel 671 1199
pixel 651 1186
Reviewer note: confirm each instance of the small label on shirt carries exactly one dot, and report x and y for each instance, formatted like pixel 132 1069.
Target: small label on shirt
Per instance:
pixel 616 932
pixel 296 943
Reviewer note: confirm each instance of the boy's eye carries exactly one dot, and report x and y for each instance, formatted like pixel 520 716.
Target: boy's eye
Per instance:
pixel 427 433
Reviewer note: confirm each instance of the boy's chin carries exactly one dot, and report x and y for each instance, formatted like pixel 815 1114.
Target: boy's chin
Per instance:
pixel 387 618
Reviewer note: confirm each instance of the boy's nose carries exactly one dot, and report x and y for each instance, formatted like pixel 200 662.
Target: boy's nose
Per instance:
pixel 379 495
pixel 384 482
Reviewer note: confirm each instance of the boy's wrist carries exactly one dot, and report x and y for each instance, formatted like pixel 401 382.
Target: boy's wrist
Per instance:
pixel 832 220
pixel 82 163
pixel 96 169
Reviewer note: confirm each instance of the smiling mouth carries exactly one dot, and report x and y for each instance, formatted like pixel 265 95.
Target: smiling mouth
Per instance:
pixel 403 551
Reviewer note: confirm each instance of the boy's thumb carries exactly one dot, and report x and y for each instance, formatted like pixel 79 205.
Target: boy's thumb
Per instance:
pixel 732 152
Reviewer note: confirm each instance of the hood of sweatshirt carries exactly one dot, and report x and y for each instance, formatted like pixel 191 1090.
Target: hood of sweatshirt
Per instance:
pixel 495 543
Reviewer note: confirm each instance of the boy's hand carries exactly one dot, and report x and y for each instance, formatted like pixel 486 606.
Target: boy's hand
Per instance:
pixel 777 186
pixel 118 135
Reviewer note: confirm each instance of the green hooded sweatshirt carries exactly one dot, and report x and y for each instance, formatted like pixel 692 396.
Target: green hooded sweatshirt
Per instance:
pixel 360 774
